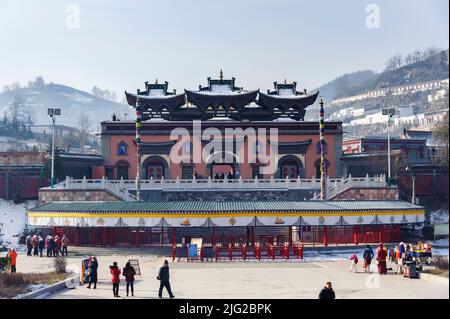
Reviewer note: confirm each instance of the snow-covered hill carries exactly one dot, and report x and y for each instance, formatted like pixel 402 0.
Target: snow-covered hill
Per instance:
pixel 71 101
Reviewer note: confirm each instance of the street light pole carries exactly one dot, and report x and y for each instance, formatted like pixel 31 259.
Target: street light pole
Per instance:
pixel 389 149
pixel 53 152
pixel 389 112
pixel 53 113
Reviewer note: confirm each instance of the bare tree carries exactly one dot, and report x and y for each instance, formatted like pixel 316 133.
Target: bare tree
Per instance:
pixel 394 63
pixel 84 125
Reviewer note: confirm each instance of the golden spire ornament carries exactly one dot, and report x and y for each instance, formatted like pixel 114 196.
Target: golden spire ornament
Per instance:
pixel 221 75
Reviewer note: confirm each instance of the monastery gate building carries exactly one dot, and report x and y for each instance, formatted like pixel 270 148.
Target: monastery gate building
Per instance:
pixel 224 198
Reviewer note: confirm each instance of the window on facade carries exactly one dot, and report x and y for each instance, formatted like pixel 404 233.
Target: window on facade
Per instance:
pixel 122 148
pixel 413 154
pixel 187 172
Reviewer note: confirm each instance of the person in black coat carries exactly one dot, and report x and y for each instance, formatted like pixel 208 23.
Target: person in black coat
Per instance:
pixel 163 277
pixel 93 266
pixel 327 292
pixel 41 245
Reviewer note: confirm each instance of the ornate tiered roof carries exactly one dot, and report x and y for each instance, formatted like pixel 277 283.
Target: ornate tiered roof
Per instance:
pixel 286 101
pixel 156 101
pixel 222 98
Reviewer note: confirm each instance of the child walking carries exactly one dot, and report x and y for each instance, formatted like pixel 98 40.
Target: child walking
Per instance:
pixel 354 262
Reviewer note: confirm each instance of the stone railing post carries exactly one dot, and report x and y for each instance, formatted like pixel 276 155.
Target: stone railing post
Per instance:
pixel 67 181
pixel 177 182
pixel 83 183
pixel 151 183
pixel 240 182
pixel 209 182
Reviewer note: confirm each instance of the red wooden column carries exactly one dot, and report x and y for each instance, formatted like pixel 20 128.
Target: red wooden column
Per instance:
pixel 290 236
pixel 92 236
pixel 355 235
pixel 53 231
pixel 174 235
pixel 213 239
pixel 77 236
pixel 325 236
pixel 104 232
pixel 151 237
pixel 253 236
pixel 138 237
pixel 380 233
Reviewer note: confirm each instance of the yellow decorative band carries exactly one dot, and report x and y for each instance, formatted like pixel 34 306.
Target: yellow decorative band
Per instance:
pixel 222 214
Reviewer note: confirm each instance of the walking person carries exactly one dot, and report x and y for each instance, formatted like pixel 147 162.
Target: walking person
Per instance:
pixel 327 292
pixel 354 263
pixel 115 278
pixel 29 245
pixel 41 245
pixel 163 277
pixel 381 257
pixel 368 256
pixel 64 244
pixel 92 273
pixel 12 254
pixel 128 272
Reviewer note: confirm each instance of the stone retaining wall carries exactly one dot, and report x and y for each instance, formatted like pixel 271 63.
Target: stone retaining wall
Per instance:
pixel 55 195
pixel 369 193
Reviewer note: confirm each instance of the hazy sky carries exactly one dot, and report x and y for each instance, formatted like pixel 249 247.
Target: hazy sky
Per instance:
pixel 121 44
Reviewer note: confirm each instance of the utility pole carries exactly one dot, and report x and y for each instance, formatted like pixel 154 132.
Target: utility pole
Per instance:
pixel 390 112
pixel 52 113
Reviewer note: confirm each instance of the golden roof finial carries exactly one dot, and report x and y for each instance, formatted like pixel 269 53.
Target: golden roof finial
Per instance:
pixel 285 81
pixel 221 74
pixel 156 81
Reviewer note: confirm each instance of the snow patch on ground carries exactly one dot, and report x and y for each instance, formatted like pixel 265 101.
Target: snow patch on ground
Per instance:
pixel 13 219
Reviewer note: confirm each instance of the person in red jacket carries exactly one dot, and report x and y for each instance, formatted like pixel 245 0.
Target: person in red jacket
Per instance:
pixel 12 254
pixel 381 257
pixel 115 278
pixel 57 249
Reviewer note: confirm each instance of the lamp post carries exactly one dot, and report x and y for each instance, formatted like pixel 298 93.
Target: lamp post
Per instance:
pixel 390 112
pixel 413 180
pixel 52 113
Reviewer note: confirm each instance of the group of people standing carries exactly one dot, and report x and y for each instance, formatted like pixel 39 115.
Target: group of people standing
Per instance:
pixel 54 245
pixel 128 272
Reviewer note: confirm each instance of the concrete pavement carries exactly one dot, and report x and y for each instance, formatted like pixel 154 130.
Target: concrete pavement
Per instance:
pixel 241 280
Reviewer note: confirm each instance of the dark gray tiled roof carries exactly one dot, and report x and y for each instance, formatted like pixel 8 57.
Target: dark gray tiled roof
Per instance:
pixel 216 207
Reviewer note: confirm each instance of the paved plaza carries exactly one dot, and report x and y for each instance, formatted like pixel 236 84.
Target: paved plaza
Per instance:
pixel 241 280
